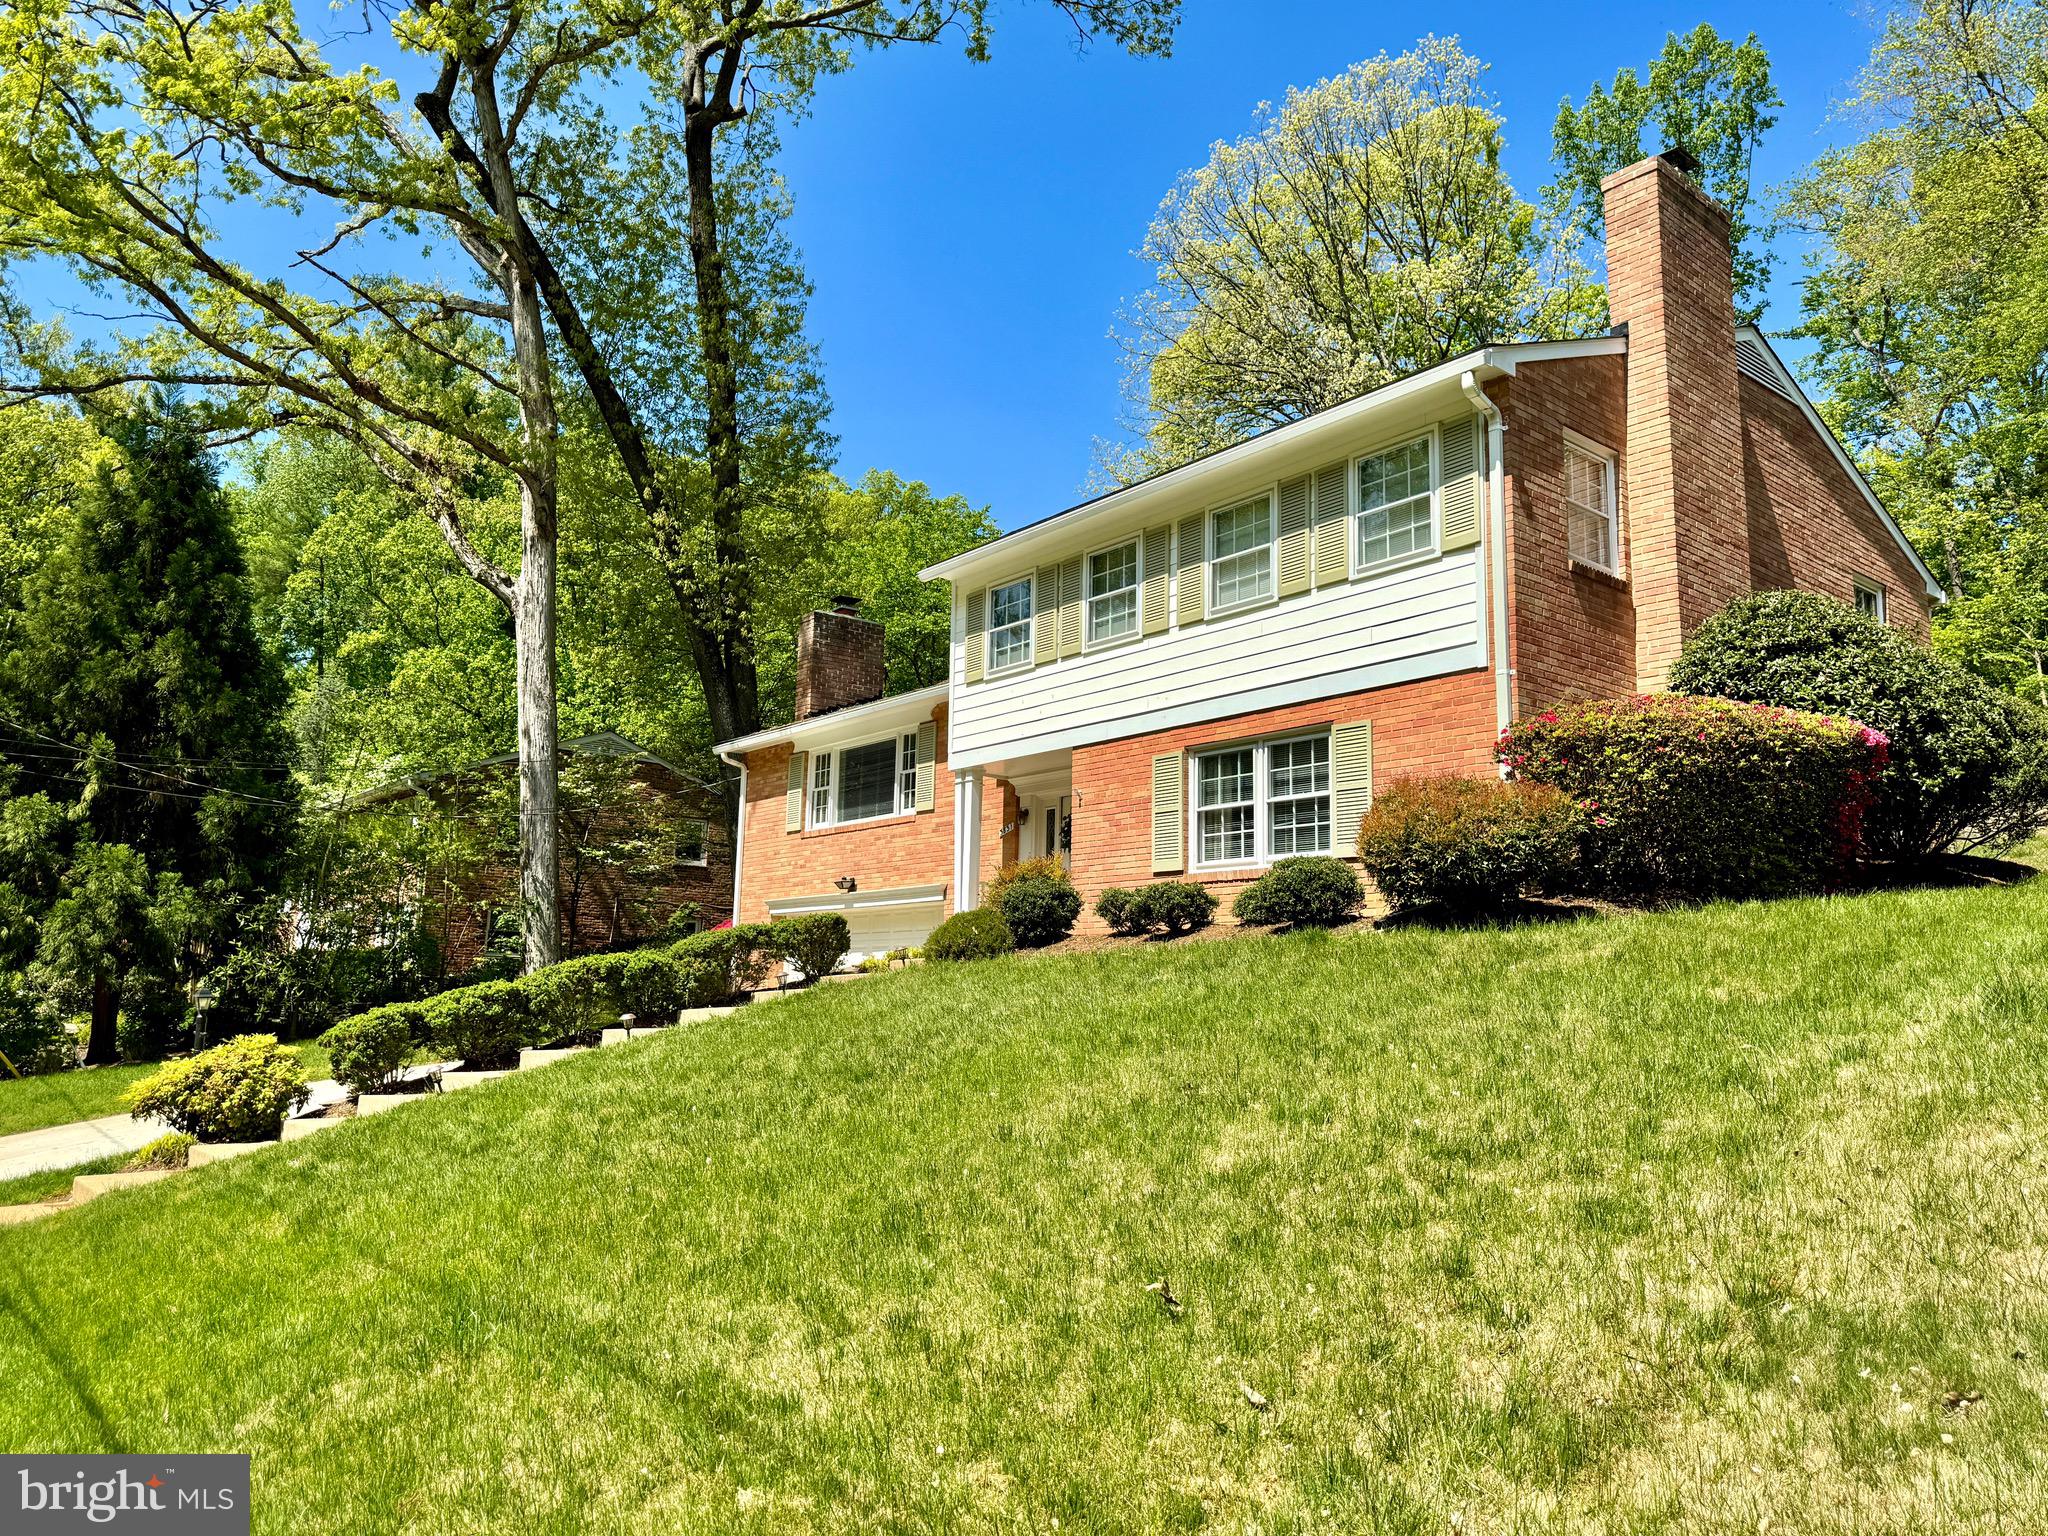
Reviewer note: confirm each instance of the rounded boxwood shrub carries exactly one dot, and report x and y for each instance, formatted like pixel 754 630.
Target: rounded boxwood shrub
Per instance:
pixel 1968 764
pixel 1123 908
pixel 1307 891
pixel 1467 845
pixel 1045 867
pixel 366 1052
pixel 1178 906
pixel 483 1026
pixel 238 1091
pixel 1700 798
pixel 976 934
pixel 1039 909
pixel 814 943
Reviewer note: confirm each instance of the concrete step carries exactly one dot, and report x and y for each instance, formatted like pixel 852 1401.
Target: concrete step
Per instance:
pixel 299 1130
pixel 204 1152
pixel 90 1186
pixel 530 1057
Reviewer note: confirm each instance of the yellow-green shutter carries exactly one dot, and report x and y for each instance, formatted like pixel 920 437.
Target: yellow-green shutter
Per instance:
pixel 1045 615
pixel 1169 842
pixel 1158 574
pixel 1333 525
pixel 977 637
pixel 1190 597
pixel 927 764
pixel 1459 499
pixel 793 801
pixel 1070 607
pixel 1350 783
pixel 1294 537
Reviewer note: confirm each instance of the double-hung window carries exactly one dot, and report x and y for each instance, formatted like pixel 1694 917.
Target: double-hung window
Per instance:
pixel 1260 801
pixel 906 773
pixel 1113 593
pixel 1241 553
pixel 821 789
pixel 1009 625
pixel 1590 535
pixel 1396 518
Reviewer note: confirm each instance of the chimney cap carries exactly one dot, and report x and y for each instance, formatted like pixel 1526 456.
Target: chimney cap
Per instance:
pixel 845 603
pixel 1679 158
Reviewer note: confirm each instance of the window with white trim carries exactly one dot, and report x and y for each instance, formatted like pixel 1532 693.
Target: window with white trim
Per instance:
pixel 821 789
pixel 1396 516
pixel 1241 553
pixel 1262 800
pixel 1009 625
pixel 906 772
pixel 1869 598
pixel 1590 534
pixel 1113 593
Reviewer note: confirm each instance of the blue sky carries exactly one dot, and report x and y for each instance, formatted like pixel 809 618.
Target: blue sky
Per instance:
pixel 969 228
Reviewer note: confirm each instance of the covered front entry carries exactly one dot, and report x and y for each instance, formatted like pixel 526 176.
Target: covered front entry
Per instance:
pixel 878 921
pixel 1038 802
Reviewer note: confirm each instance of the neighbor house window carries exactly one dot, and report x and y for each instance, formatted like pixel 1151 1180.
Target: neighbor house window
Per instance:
pixel 1870 599
pixel 1009 625
pixel 693 842
pixel 1264 800
pixel 1241 552
pixel 1113 593
pixel 906 773
pixel 1394 514
pixel 1590 533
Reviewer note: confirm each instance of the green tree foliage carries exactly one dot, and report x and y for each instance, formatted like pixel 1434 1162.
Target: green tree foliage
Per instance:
pixel 113 941
pixel 1703 93
pixel 1362 230
pixel 48 455
pixel 1927 298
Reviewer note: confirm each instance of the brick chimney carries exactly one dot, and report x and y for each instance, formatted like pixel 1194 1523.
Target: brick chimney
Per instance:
pixel 838 659
pixel 1670 282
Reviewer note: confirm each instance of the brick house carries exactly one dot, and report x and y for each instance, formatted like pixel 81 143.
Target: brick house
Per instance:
pixel 639 842
pixel 1202 672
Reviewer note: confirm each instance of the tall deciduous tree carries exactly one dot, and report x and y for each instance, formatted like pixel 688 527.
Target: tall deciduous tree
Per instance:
pixel 1362 230
pixel 1705 94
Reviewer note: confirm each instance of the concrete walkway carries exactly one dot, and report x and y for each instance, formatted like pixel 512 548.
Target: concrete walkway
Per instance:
pixel 66 1146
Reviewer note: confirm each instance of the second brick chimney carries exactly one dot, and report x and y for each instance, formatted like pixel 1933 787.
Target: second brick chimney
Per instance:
pixel 839 659
pixel 1670 281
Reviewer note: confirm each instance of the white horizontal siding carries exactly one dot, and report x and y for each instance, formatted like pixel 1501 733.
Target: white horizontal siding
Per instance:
pixel 1410 623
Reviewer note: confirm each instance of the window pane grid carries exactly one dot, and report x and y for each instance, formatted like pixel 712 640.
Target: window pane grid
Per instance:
pixel 1242 552
pixel 1394 504
pixel 821 789
pixel 1009 620
pixel 906 772
pixel 1224 785
pixel 1113 593
pixel 1275 793
pixel 1298 790
pixel 1589 511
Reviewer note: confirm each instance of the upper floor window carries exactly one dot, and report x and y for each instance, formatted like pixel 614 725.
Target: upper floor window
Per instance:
pixel 1869 598
pixel 1263 800
pixel 1009 625
pixel 1395 514
pixel 693 842
pixel 1241 553
pixel 1113 593
pixel 1590 535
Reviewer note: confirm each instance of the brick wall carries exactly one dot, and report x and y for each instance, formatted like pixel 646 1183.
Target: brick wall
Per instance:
pixel 1670 280
pixel 912 849
pixel 1437 726
pixel 1809 526
pixel 839 662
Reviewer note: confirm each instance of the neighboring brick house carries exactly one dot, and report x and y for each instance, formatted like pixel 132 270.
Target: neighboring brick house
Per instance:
pixel 637 845
pixel 1205 671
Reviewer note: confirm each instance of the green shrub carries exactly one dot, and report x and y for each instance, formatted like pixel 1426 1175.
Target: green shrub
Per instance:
pixel 1468 845
pixel 170 1150
pixel 1308 891
pixel 1039 909
pixel 814 943
pixel 1123 908
pixel 238 1091
pixel 1968 764
pixel 736 954
pixel 1043 868
pixel 482 1027
pixel 573 999
pixel 155 1017
pixel 369 1050
pixel 299 992
pixel 977 934
pixel 1702 798
pixel 30 1036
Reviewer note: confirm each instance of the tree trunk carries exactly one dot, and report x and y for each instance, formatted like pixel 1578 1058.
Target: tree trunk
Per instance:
pixel 540 918
pixel 102 1047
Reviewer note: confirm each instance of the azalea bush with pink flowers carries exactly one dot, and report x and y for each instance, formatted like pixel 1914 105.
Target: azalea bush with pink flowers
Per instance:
pixel 1696 798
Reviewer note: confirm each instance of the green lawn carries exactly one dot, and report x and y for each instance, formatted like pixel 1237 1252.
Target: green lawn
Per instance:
pixel 1687 1222
pixel 54 1181
pixel 31 1103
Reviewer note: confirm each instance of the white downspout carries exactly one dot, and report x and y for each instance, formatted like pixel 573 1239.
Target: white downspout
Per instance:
pixel 739 832
pixel 1496 549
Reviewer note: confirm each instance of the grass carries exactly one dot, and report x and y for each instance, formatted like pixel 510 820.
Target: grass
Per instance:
pixel 54 1181
pixel 1685 1222
pixel 30 1103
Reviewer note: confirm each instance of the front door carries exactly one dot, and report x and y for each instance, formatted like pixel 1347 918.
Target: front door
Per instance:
pixel 1048 834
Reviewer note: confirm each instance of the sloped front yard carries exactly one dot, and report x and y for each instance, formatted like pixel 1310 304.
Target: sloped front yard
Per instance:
pixel 1682 1222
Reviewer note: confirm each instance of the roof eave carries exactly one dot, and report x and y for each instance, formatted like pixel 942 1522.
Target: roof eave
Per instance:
pixel 835 723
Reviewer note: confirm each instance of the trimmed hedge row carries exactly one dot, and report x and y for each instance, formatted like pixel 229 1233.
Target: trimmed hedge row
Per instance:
pixel 487 1025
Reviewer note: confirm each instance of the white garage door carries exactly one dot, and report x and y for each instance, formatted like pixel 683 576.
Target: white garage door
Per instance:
pixel 881 929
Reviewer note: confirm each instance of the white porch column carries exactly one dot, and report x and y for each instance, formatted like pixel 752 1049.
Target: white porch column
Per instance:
pixel 966 839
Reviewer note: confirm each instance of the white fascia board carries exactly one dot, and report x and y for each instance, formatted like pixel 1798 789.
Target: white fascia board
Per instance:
pixel 858 723
pixel 857 901
pixel 1183 486
pixel 1934 588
